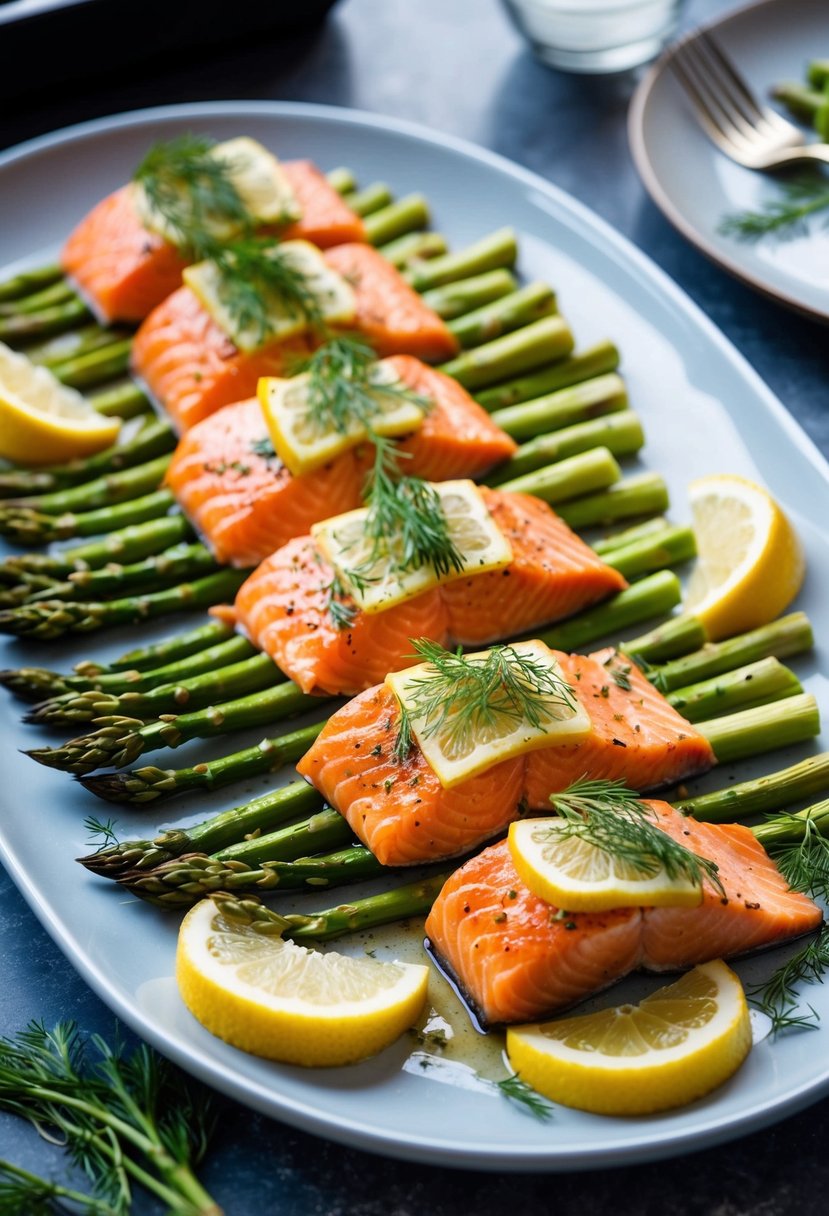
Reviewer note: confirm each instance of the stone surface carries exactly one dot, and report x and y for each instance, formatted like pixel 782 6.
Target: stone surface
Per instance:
pixel 458 66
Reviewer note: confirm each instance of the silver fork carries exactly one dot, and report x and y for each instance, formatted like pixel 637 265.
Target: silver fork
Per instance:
pixel 752 134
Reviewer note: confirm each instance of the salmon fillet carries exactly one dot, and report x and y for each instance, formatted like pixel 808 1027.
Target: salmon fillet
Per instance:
pixel 192 368
pixel 245 503
pixel 377 714
pixel 326 219
pixel 120 268
pixel 517 961
pixel 552 574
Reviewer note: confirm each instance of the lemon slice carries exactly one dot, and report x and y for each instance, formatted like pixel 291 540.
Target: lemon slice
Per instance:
pixel 343 542
pixel 283 1001
pixel 666 1051
pixel 260 182
pixel 750 564
pixel 41 420
pixel 304 443
pixel 333 296
pixel 577 875
pixel 455 754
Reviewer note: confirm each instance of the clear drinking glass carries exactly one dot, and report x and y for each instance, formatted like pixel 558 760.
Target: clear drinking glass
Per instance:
pixel 595 35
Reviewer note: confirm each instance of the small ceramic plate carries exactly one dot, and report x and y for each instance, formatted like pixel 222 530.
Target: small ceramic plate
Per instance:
pixel 696 186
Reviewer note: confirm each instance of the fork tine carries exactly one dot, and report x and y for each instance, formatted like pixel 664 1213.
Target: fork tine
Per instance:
pixel 711 113
pixel 755 113
pixel 740 127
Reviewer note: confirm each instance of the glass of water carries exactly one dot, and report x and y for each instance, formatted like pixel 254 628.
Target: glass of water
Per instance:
pixel 595 35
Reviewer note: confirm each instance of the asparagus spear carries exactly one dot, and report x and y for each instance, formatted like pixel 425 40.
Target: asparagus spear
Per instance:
pixel 152 440
pixel 342 180
pixel 38 683
pixel 579 402
pixel 650 597
pixel 677 636
pixel 54 351
pixel 369 199
pixel 583 474
pixel 97 366
pixel 119 740
pixel 621 434
pixel 537 343
pixel 649 529
pixel 124 400
pixel 235 680
pixel 644 494
pixel 263 814
pixel 597 360
pixel 187 878
pixel 789 635
pixel 406 252
pixel 55 293
pixel 180 562
pixel 499 249
pixel 24 327
pixel 768 793
pixel 128 544
pixel 50 619
pixel 397 219
pixel 502 316
pixel 27 281
pixel 754 684
pixel 101 492
pixel 27 527
pixel 456 299
pixel 169 650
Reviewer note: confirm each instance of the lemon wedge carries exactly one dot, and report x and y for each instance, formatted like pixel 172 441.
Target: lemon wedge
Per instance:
pixel 332 294
pixel 671 1048
pixel 304 443
pixel 41 420
pixel 750 564
pixel 344 543
pixel 285 1002
pixel 575 874
pixel 497 732
pixel 260 182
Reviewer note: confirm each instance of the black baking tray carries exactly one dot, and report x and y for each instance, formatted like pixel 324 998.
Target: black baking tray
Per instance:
pixel 45 43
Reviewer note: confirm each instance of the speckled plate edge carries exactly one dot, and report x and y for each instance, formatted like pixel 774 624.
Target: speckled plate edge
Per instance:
pixel 605 1150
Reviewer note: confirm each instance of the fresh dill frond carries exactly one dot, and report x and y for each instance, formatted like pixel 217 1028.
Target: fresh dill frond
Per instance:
pixel 465 698
pixel 100 834
pixel 784 217
pixel 778 998
pixel 611 817
pixel 402 748
pixel 516 1090
pixel 341 608
pixel 254 273
pixel 805 863
pixel 192 189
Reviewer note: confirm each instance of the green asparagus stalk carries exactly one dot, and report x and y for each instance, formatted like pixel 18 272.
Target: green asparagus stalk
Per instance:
pixel 123 486
pixel 502 316
pixel 754 684
pixel 170 566
pixel 235 680
pixel 750 732
pixel 119 741
pixel 25 327
pixel 787 636
pixel 50 619
pixel 407 215
pixel 650 597
pixel 169 650
pixel 576 403
pixel 38 683
pixel 406 252
pixel 264 814
pixel 95 367
pixel 125 545
pixel 583 474
pixel 28 281
pixel 537 343
pixel 647 530
pixel 597 360
pixel 342 180
pixel 322 832
pixel 818 73
pixel 677 636
pixel 791 829
pixel 500 249
pixel 670 547
pixel 644 494
pixel 149 784
pixel 456 299
pixel 802 101
pixel 26 527
pixel 621 434
pixel 124 400
pixel 56 293
pixel 768 793
pixel 371 198
pixel 54 351
pixel 154 439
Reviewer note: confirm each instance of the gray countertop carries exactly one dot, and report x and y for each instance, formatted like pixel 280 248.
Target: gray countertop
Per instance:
pixel 457 66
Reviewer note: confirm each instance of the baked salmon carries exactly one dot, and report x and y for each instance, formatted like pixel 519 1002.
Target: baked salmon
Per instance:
pixel 516 960
pixel 284 606
pixel 125 271
pixel 373 790
pixel 192 368
pixel 246 504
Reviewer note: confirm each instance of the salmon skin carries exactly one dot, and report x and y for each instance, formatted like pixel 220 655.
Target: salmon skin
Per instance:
pixel 516 959
pixel 285 604
pixel 245 503
pixel 192 368
pixel 124 271
pixel 402 813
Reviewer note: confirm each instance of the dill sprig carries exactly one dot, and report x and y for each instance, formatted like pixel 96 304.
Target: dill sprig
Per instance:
pixel 192 189
pixel 122 1119
pixel 100 833
pixel 344 387
pixel 778 998
pixel 465 698
pixel 518 1091
pixel 611 817
pixel 256 271
pixel 784 217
